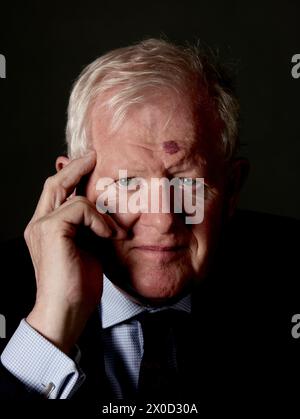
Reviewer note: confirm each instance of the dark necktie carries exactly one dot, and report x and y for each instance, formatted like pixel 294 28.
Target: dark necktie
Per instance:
pixel 159 377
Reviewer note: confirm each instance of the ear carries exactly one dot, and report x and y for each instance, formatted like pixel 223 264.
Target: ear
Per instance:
pixel 238 173
pixel 61 162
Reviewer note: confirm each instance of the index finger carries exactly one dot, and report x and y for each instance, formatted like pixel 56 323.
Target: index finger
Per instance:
pixel 58 187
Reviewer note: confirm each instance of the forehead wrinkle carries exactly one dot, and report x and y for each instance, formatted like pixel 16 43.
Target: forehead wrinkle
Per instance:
pixel 168 160
pixel 184 157
pixel 146 147
pixel 153 164
pixel 168 120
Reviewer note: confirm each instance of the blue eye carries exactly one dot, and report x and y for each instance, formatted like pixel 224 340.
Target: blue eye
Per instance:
pixel 187 181
pixel 125 181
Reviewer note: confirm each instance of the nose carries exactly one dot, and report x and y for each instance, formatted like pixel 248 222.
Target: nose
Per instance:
pixel 162 222
pixel 160 212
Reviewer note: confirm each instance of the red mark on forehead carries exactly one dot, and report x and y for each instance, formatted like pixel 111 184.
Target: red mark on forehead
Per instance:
pixel 171 147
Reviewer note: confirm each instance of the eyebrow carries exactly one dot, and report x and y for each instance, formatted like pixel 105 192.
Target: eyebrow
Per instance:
pixel 174 171
pixel 134 168
pixel 131 171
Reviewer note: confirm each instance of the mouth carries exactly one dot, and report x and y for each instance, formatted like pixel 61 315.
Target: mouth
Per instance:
pixel 160 248
pixel 160 254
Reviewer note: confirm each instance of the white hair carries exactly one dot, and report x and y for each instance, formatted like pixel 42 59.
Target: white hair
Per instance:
pixel 128 74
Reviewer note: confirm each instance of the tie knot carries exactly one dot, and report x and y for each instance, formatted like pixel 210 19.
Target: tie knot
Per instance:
pixel 165 316
pixel 160 324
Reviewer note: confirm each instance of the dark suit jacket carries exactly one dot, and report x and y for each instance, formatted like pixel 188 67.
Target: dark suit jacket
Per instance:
pixel 242 354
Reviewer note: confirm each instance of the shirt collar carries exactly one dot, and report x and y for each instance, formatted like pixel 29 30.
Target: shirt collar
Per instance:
pixel 116 307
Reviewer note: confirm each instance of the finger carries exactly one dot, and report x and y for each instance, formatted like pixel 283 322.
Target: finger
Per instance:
pixel 77 205
pixel 58 187
pixel 118 231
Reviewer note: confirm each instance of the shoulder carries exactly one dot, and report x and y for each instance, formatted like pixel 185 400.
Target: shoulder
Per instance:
pixel 265 238
pixel 257 265
pixel 268 226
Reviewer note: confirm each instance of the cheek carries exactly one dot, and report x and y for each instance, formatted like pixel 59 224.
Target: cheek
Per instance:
pixel 111 203
pixel 125 220
pixel 199 241
pixel 206 234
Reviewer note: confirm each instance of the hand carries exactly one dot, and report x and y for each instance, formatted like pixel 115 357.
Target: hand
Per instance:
pixel 68 278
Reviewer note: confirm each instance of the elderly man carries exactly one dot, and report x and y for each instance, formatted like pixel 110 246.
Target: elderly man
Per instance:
pixel 138 304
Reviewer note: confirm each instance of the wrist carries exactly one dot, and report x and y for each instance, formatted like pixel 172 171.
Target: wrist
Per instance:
pixel 61 326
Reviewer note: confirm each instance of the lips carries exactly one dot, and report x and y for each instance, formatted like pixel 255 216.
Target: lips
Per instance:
pixel 159 255
pixel 155 248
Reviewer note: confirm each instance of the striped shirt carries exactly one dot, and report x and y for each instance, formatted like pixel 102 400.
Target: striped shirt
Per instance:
pixel 42 367
pixel 123 337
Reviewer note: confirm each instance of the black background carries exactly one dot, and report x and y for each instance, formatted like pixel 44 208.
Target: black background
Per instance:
pixel 46 44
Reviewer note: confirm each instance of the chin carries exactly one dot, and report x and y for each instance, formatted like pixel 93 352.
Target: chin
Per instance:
pixel 157 286
pixel 152 282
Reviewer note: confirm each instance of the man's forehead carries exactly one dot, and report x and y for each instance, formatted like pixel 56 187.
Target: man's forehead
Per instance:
pixel 160 130
pixel 138 151
pixel 147 164
pixel 136 155
pixel 163 111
